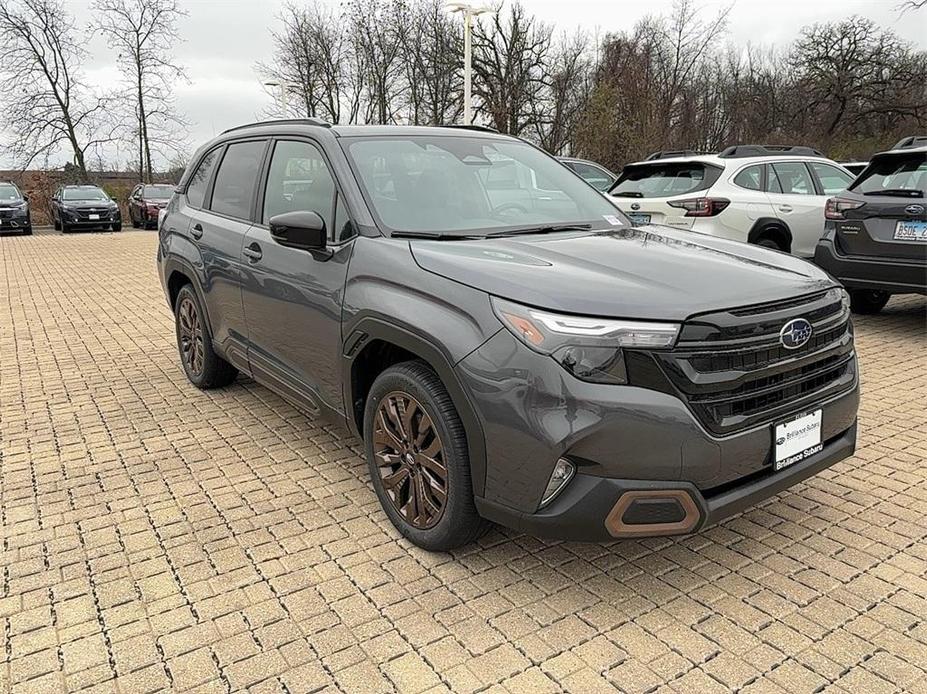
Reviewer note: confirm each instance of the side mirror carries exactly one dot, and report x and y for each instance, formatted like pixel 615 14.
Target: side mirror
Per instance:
pixel 26 198
pixel 304 230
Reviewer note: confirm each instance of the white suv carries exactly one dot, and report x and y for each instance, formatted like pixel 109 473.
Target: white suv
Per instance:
pixel 770 196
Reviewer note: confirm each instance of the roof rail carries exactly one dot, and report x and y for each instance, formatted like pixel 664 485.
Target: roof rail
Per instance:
pixel 738 151
pixel 669 153
pixel 912 141
pixel 472 126
pixel 282 121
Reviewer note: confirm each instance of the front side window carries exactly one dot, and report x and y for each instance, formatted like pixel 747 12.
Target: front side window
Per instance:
pixel 470 184
pixel 196 188
pixel 233 190
pixel 832 179
pixel 903 175
pixel 750 178
pixel 790 178
pixel 299 180
pixel 662 180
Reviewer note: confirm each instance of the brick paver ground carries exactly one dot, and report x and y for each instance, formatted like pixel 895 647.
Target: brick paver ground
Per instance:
pixel 155 536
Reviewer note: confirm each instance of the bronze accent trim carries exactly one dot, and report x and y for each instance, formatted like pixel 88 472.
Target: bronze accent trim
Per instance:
pixel 619 529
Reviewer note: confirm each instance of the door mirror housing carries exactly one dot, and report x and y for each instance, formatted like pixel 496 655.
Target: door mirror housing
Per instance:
pixel 304 230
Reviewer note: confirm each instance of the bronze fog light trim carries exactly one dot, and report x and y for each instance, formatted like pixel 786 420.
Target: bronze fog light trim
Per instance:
pixel 616 526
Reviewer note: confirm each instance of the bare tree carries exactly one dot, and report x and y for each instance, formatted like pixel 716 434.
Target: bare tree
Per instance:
pixel 310 61
pixel 509 60
pixel 560 103
pixel 46 105
pixel 377 39
pixel 144 32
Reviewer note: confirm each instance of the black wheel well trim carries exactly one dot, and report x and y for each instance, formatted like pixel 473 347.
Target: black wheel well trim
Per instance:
pixel 764 224
pixel 372 329
pixel 174 265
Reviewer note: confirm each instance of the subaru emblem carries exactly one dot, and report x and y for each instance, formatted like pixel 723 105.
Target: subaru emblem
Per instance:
pixel 795 333
pixel 635 205
pixel 915 210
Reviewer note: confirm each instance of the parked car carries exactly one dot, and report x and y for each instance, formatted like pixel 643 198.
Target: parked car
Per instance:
pixel 84 207
pixel 594 174
pixel 854 167
pixel 554 369
pixel 14 209
pixel 772 196
pixel 146 201
pixel 875 238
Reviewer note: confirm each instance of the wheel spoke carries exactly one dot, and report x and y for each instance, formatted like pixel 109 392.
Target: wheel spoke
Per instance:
pixel 391 481
pixel 435 466
pixel 384 434
pixel 392 411
pixel 425 428
pixel 408 424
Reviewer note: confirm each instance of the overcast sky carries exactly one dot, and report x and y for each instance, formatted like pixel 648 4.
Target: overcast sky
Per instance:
pixel 224 39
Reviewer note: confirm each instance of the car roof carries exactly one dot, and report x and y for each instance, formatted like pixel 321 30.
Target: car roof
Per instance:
pixel 723 162
pixel 314 125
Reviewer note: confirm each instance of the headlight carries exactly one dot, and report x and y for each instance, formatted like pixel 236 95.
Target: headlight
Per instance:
pixel 844 300
pixel 20 205
pixel 589 348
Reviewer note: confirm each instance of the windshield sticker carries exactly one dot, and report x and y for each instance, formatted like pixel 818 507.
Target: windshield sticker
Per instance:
pixel 612 219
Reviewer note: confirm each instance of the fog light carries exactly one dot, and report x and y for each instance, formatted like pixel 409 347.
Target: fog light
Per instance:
pixel 563 473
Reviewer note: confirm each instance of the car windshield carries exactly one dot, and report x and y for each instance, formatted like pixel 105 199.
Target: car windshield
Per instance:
pixel 460 185
pixel 83 194
pixel 894 174
pixel 8 192
pixel 158 192
pixel 662 180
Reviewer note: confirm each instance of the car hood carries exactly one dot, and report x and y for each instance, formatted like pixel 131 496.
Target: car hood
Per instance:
pixel 646 273
pixel 84 204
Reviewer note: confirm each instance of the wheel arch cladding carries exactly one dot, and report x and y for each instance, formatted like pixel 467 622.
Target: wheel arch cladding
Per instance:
pixel 378 344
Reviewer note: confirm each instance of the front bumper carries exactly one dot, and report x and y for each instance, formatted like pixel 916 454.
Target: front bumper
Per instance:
pixel 581 512
pixel 620 438
pixel 857 272
pixel 74 220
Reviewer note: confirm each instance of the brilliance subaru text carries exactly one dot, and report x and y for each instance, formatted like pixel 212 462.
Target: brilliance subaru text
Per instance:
pixel 509 347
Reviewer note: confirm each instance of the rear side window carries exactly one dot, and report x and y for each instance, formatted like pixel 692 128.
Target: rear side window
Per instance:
pixel 790 178
pixel 594 176
pixel 901 174
pixel 750 178
pixel 235 180
pixel 196 188
pixel 832 179
pixel 664 180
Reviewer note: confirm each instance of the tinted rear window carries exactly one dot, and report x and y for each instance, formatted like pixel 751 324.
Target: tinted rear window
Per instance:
pixel 664 180
pixel 234 187
pixel 896 172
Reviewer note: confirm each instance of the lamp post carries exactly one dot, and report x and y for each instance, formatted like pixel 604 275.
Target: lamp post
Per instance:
pixel 468 12
pixel 284 88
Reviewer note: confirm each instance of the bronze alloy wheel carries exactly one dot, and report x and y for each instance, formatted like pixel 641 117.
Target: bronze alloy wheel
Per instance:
pixel 410 457
pixel 191 336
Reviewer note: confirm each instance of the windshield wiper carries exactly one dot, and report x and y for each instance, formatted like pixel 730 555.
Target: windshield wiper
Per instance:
pixel 433 235
pixel 898 192
pixel 541 230
pixel 629 194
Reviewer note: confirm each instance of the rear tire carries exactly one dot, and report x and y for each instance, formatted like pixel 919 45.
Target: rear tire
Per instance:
pixel 413 437
pixel 868 301
pixel 204 368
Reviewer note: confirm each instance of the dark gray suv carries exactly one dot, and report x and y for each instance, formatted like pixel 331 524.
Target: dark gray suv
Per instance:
pixel 509 347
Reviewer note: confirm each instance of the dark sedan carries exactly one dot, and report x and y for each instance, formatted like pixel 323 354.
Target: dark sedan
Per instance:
pixel 84 207
pixel 146 201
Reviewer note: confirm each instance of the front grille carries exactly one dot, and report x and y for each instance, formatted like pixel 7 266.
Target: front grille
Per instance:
pixel 734 373
pixel 84 214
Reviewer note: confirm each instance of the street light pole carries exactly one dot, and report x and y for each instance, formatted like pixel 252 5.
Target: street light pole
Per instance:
pixel 468 12
pixel 284 88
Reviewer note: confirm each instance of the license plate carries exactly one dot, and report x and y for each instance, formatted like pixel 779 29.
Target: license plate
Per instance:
pixel 797 439
pixel 911 231
pixel 638 217
pixel 93 216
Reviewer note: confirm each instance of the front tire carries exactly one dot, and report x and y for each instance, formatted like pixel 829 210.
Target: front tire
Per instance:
pixel 116 227
pixel 204 368
pixel 56 223
pixel 868 301
pixel 417 455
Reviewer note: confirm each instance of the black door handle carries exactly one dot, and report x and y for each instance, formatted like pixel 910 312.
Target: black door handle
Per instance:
pixel 197 231
pixel 253 252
